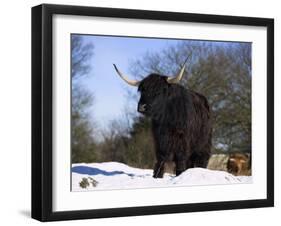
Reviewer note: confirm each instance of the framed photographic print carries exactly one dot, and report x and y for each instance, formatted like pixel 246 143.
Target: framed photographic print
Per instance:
pixel 145 112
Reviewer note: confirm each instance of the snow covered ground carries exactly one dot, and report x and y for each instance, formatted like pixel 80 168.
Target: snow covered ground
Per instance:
pixel 114 175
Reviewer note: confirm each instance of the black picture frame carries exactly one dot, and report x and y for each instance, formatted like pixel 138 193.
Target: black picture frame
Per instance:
pixel 42 107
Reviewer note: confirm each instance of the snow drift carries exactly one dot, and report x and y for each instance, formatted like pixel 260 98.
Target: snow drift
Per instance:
pixel 114 175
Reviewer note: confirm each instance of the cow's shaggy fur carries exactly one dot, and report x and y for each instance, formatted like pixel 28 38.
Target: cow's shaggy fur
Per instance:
pixel 181 123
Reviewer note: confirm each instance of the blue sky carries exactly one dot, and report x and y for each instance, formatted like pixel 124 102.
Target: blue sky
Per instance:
pixel 108 89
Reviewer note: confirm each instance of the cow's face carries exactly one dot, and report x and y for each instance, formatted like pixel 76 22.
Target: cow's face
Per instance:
pixel 153 91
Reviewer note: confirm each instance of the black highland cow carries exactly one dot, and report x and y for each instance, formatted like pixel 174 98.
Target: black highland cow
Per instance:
pixel 181 121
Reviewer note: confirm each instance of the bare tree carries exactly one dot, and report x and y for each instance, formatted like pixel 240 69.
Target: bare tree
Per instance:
pixel 81 53
pixel 82 141
pixel 82 128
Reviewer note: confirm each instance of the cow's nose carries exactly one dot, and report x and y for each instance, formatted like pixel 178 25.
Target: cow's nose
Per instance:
pixel 141 108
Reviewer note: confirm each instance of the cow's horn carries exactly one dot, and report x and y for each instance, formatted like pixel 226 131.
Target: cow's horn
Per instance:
pixel 130 82
pixel 177 78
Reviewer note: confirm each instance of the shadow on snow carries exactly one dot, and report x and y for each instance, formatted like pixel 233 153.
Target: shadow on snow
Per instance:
pixel 95 171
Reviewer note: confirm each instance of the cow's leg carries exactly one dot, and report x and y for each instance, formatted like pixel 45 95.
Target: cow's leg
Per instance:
pixel 181 160
pixel 200 159
pixel 189 164
pixel 161 154
pixel 180 167
pixel 159 169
